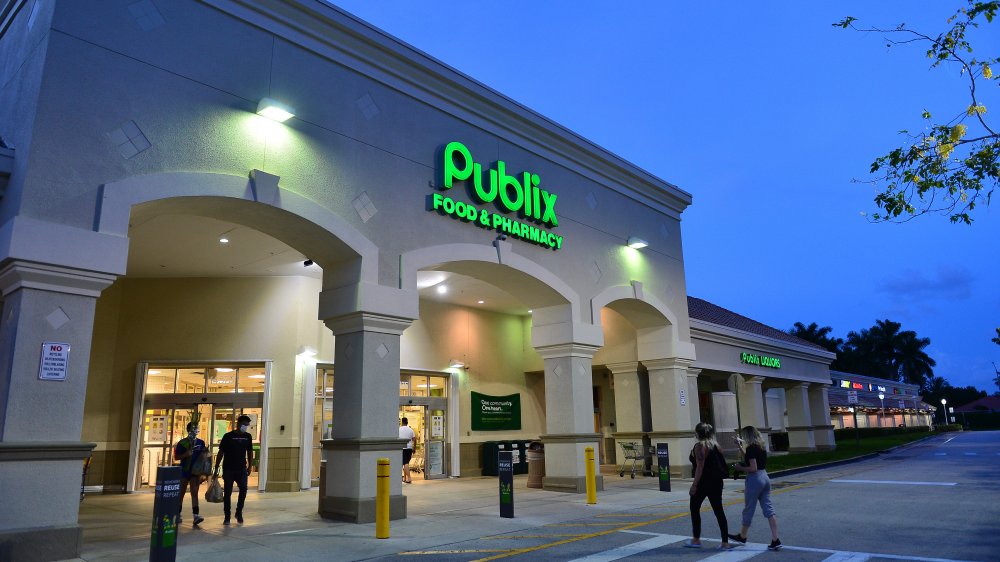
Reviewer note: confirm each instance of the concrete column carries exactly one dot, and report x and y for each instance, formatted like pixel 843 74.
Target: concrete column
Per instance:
pixel 365 418
pixel 819 408
pixel 692 376
pixel 41 455
pixel 671 404
pixel 628 402
pixel 801 438
pixel 569 416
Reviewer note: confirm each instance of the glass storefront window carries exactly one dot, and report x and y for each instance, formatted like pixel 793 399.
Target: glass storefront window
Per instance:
pixel 404 385
pixel 221 379
pixel 437 387
pixel 191 381
pixel 250 380
pixel 160 381
pixel 418 385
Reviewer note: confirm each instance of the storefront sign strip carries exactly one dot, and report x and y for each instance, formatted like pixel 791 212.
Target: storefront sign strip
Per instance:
pixel 496 413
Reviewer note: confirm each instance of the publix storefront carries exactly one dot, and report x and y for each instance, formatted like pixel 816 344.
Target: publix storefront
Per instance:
pixel 201 260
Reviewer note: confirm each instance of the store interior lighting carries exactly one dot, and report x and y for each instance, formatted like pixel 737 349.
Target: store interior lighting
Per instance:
pixel 636 243
pixel 456 364
pixel 275 110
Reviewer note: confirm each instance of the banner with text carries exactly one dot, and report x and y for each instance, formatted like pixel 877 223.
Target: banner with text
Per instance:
pixel 496 413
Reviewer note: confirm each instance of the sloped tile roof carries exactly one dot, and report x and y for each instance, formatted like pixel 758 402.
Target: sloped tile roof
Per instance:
pixel 708 312
pixel 990 403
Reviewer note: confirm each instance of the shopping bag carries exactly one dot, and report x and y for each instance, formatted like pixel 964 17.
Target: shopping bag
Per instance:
pixel 214 492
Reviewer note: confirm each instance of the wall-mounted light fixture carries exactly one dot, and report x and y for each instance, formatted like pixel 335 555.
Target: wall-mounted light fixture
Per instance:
pixel 636 243
pixel 275 110
pixel 456 364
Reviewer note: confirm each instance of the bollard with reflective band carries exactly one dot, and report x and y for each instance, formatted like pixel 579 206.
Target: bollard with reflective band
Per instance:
pixel 166 508
pixel 591 478
pixel 382 500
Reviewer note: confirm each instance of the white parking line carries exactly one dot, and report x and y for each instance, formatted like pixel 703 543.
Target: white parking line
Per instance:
pixel 295 531
pixel 631 549
pixel 902 482
pixel 848 557
pixel 940 454
pixel 970 454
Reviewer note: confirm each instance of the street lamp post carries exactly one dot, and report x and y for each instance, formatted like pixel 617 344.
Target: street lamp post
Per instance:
pixel 881 398
pixel 944 410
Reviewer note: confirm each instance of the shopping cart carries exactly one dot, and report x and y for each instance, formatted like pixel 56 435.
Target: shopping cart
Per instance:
pixel 632 451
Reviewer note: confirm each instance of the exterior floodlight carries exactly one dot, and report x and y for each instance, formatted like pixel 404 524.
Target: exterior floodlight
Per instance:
pixel 636 243
pixel 275 110
pixel 456 364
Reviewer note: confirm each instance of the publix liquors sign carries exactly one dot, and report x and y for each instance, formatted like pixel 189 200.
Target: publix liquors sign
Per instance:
pixel 762 360
pixel 518 195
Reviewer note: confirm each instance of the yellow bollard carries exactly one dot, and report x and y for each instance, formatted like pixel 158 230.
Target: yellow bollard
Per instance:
pixel 382 500
pixel 591 479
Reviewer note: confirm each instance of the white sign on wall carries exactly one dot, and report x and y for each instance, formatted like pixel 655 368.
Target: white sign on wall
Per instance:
pixel 684 399
pixel 437 426
pixel 435 457
pixel 157 429
pixel 54 362
pixel 901 404
pixel 852 396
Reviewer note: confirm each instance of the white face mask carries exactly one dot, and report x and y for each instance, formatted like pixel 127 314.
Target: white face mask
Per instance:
pixel 244 428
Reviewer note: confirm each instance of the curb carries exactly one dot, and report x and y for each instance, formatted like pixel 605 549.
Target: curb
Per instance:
pixel 801 469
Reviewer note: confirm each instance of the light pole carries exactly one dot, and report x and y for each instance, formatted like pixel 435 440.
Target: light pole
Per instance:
pixel 881 398
pixel 944 410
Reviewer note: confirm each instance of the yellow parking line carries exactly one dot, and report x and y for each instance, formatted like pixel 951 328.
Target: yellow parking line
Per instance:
pixel 427 552
pixel 500 537
pixel 582 524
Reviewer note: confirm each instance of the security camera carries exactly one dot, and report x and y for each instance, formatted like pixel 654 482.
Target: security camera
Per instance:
pixel 501 236
pixel 307 263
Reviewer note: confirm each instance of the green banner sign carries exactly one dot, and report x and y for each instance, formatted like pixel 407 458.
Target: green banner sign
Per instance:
pixel 496 413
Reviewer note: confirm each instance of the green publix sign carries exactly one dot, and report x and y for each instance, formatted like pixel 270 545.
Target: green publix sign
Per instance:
pixel 508 193
pixel 762 360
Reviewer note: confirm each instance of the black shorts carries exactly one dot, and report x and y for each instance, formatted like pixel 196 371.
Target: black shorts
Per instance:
pixel 407 455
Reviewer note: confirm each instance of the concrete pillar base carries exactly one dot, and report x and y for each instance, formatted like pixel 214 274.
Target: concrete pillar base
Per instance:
pixel 570 484
pixel 680 444
pixel 359 510
pixel 801 439
pixel 43 543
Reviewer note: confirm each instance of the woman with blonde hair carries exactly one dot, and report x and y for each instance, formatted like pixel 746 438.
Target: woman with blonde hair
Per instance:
pixel 758 485
pixel 709 473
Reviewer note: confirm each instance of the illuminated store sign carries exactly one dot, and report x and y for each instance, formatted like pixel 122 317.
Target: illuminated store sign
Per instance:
pixel 762 360
pixel 506 192
pixel 866 386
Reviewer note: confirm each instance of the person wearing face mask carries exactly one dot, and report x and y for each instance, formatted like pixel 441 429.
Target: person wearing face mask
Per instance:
pixel 187 451
pixel 236 457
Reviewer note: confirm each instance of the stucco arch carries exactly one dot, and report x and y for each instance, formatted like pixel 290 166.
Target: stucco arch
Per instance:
pixel 345 254
pixel 557 312
pixel 656 325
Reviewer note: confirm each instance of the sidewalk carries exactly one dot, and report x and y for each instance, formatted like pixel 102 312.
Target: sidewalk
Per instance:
pixel 285 526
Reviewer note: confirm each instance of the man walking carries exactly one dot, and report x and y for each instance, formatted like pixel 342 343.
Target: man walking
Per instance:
pixel 406 432
pixel 236 457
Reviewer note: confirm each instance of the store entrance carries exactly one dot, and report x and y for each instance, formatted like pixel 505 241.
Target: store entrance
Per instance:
pixel 211 396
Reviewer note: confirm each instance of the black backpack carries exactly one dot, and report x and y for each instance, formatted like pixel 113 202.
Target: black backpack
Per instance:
pixel 715 465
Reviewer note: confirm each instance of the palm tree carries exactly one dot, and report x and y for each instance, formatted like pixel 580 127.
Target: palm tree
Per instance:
pixel 913 363
pixel 886 340
pixel 813 333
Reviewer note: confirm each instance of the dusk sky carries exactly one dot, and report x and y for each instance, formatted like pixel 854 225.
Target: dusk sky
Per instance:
pixel 764 112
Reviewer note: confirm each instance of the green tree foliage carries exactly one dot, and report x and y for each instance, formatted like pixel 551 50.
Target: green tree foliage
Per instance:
pixel 819 336
pixel 936 388
pixel 952 165
pixel 888 352
pixel 996 340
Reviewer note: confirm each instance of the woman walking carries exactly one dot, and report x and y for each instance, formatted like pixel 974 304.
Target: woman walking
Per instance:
pixel 709 472
pixel 758 485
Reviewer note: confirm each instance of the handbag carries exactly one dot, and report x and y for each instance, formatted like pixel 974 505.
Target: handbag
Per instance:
pixel 202 466
pixel 214 492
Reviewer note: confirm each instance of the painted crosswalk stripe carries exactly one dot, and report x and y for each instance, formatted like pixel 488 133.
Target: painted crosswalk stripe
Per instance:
pixel 970 454
pixel 631 549
pixel 900 482
pixel 734 555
